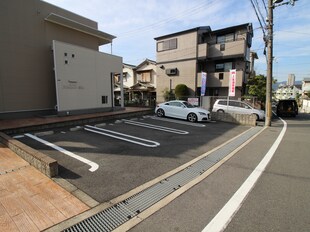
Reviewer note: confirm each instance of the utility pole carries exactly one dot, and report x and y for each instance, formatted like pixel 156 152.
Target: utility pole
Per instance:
pixel 269 64
pixel 271 6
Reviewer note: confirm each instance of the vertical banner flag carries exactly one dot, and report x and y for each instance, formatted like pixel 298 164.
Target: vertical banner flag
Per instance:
pixel 203 83
pixel 232 83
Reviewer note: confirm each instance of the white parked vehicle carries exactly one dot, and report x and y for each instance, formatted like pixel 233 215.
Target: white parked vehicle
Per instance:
pixel 182 110
pixel 237 107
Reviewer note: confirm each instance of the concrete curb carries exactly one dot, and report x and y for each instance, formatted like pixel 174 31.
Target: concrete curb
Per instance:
pixel 42 162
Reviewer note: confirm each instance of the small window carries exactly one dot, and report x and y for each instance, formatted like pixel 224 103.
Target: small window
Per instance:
pixel 222 47
pixel 104 99
pixel 221 76
pixel 167 45
pixel 225 38
pixel 66 62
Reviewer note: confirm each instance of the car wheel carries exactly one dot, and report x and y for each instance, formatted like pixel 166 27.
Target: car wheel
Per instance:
pixel 192 117
pixel 256 116
pixel 160 113
pixel 221 111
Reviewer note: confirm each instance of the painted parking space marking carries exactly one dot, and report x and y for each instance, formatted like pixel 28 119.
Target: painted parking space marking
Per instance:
pixel 155 127
pixel 121 136
pixel 94 166
pixel 178 121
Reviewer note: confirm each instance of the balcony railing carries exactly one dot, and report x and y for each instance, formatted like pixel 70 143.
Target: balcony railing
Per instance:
pixel 227 49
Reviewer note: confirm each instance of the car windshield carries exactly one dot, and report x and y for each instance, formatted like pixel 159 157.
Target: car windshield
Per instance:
pixel 188 105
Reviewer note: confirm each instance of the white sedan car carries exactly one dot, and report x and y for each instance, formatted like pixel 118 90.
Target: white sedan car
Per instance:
pixel 182 110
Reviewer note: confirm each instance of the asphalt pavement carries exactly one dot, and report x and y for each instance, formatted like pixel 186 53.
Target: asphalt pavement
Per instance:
pixel 280 200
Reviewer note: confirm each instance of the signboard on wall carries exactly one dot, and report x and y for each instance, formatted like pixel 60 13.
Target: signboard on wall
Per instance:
pixel 232 83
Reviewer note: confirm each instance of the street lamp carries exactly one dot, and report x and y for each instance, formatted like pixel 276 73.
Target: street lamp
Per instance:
pixel 271 5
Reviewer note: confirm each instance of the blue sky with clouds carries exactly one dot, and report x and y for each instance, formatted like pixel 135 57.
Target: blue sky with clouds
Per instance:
pixel 136 24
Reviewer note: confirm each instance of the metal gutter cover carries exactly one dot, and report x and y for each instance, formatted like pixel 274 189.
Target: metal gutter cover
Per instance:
pixel 111 218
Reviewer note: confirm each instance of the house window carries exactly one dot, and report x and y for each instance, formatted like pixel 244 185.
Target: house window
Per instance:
pixel 223 67
pixel 146 77
pixel 167 45
pixel 104 99
pixel 221 76
pixel 225 38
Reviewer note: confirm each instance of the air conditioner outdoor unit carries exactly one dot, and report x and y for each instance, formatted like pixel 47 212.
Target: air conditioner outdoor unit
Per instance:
pixel 172 71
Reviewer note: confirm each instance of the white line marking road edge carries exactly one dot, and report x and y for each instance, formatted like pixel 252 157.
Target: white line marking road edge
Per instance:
pixel 225 215
pixel 92 164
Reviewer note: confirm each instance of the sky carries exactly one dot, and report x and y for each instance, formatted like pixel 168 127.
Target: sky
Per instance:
pixel 136 23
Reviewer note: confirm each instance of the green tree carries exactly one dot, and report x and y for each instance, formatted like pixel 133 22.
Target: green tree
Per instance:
pixel 257 87
pixel 181 91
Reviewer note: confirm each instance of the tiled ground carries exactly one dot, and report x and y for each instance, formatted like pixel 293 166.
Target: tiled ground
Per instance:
pixel 30 201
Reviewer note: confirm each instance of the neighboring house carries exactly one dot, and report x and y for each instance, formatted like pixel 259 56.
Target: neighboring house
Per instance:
pixel 287 92
pixel 129 79
pixel 305 88
pixel 139 83
pixel 50 61
pixel 144 90
pixel 182 56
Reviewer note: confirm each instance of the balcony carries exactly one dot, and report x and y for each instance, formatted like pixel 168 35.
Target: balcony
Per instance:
pixel 213 79
pixel 230 49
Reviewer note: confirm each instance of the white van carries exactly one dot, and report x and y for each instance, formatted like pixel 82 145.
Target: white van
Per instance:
pixel 237 107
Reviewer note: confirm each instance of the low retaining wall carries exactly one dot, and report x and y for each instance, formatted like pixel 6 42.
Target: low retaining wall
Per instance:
pixel 243 119
pixel 42 162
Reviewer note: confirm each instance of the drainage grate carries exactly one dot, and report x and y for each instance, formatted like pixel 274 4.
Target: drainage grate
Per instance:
pixel 113 217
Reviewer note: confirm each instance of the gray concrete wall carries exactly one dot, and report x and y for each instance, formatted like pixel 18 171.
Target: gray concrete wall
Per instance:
pixel 242 119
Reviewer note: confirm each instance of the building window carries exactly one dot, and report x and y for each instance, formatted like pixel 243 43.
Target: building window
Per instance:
pixel 167 45
pixel 104 99
pixel 221 76
pixel 225 38
pixel 224 67
pixel 146 77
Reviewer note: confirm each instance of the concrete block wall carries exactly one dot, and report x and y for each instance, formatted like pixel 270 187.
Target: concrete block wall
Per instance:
pixel 42 162
pixel 242 119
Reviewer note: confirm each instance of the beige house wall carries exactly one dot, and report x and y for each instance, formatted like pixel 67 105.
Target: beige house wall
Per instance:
pixel 26 61
pixel 186 48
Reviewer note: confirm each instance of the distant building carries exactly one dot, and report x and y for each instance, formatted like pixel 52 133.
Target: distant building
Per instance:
pixel 306 87
pixel 181 58
pixel 50 61
pixel 291 80
pixel 287 92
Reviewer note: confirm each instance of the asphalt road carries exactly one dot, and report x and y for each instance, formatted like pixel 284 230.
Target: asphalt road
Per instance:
pixel 124 166
pixel 280 200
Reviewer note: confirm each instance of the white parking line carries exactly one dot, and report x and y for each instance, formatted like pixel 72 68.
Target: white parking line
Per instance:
pixel 179 122
pixel 93 165
pixel 155 127
pixel 121 136
pixel 225 215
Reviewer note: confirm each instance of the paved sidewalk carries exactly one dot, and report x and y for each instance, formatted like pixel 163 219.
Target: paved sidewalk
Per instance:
pixel 30 201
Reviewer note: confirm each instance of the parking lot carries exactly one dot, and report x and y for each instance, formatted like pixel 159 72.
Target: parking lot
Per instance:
pixel 111 158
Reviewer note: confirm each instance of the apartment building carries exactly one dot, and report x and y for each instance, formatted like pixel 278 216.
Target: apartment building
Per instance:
pixel 182 56
pixel 50 61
